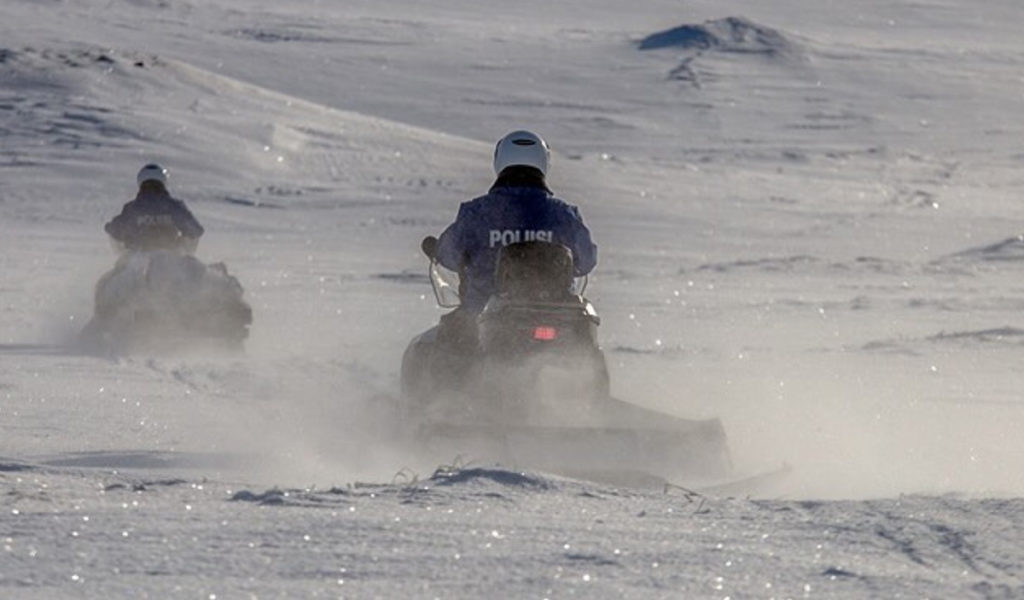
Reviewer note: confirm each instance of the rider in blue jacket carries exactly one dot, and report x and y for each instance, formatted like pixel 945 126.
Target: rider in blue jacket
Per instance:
pixel 518 208
pixel 154 219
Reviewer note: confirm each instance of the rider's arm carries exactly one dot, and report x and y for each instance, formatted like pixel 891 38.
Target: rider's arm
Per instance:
pixel 117 228
pixel 451 244
pixel 186 223
pixel 584 251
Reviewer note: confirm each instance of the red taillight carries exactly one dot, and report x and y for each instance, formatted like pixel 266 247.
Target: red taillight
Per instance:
pixel 545 334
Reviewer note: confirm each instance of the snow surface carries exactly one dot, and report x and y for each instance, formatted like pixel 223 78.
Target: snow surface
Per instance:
pixel 809 226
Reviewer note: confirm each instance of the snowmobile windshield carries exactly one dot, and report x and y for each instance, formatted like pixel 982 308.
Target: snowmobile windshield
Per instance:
pixel 579 285
pixel 446 285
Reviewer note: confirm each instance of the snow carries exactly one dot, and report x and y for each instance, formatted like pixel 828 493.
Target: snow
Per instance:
pixel 808 226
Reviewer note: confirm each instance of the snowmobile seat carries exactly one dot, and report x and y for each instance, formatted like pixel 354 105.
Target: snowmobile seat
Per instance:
pixel 537 271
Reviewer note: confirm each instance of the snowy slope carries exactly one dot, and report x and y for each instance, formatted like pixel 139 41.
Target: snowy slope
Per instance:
pixel 808 226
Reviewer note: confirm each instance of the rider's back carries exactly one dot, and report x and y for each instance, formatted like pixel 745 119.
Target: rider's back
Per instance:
pixel 504 216
pixel 155 220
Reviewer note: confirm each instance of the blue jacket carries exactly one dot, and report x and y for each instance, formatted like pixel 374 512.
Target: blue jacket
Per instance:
pixel 506 215
pixel 153 219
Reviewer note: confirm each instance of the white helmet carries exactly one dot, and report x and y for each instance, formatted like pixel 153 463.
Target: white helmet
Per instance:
pixel 523 148
pixel 152 172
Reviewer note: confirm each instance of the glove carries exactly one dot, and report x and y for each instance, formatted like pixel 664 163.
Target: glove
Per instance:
pixel 429 246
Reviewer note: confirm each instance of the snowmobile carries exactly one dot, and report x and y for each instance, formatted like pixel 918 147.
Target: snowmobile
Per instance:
pixel 530 389
pixel 159 297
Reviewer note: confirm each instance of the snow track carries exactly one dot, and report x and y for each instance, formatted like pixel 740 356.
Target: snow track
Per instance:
pixel 187 537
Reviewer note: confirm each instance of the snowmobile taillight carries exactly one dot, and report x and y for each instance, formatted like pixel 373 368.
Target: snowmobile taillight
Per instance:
pixel 545 334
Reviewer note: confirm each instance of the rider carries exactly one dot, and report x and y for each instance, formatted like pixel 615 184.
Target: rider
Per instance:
pixel 519 207
pixel 155 220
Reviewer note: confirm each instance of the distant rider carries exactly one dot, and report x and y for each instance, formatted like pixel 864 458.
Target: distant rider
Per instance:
pixel 155 220
pixel 518 208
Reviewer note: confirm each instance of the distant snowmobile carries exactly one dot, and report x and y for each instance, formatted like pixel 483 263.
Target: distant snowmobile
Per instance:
pixel 534 391
pixel 164 299
pixel 159 297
